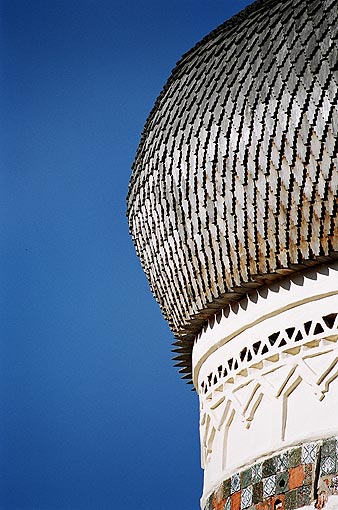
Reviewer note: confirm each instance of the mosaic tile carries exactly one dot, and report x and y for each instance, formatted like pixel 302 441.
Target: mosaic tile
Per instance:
pixel 309 453
pixel 286 480
pixel 209 502
pixel 296 477
pixel 236 501
pixel 327 465
pixel 290 502
pixel 269 467
pixel 282 482
pixel 227 488
pixel 334 485
pixel 282 462
pixel 295 457
pixel 246 478
pixel 269 486
pixel 227 505
pixel 278 503
pixel 308 474
pixel 257 492
pixel 328 448
pixel 322 488
pixel 304 496
pixel 256 473
pixel 235 483
pixel 246 497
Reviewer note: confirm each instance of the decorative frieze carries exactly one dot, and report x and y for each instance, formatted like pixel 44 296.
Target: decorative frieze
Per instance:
pixel 263 370
pixel 287 341
pixel 272 366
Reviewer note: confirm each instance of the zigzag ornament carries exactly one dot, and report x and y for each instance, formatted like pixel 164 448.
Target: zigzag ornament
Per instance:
pixel 313 364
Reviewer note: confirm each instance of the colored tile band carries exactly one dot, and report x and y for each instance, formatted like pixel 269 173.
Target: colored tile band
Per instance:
pixel 304 475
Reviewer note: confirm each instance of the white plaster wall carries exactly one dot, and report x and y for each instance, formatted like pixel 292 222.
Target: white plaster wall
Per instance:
pixel 298 393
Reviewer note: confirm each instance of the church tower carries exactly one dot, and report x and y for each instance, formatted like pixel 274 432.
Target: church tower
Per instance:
pixel 233 210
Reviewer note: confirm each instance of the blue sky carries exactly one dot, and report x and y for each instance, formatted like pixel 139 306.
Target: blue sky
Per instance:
pixel 92 415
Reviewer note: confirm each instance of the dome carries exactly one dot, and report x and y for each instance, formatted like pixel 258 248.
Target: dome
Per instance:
pixel 235 180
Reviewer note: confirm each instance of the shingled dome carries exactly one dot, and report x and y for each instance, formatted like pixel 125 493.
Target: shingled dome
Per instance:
pixel 235 179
